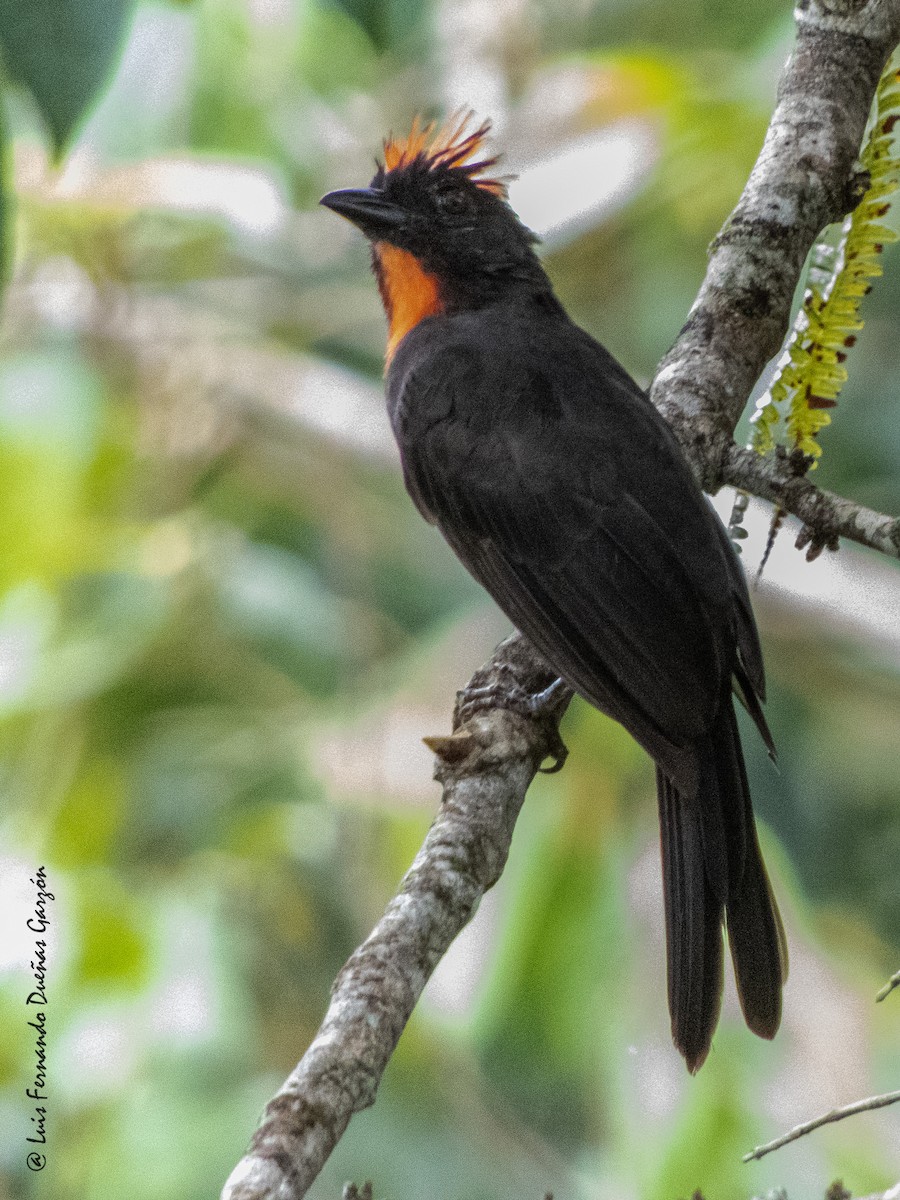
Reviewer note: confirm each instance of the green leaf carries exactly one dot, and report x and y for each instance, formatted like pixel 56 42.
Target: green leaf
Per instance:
pixel 387 23
pixel 336 51
pixel 63 51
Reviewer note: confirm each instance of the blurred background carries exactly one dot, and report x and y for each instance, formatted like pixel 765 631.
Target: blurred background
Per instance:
pixel 224 629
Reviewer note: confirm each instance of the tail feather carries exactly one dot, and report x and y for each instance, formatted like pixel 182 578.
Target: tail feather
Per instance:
pixel 713 873
pixel 758 948
pixel 694 917
pixel 755 932
pixel 721 809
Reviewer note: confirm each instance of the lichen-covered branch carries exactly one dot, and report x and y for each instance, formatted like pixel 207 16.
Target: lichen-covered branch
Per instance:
pixel 825 516
pixel 485 768
pixel 800 183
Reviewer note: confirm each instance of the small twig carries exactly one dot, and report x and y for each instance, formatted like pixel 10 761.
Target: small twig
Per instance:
pixel 836 1114
pixel 892 983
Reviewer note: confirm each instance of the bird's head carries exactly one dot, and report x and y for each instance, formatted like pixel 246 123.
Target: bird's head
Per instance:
pixel 444 237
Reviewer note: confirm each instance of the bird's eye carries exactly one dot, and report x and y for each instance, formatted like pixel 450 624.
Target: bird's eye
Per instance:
pixel 453 202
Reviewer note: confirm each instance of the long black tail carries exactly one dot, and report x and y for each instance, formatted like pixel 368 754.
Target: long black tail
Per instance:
pixel 713 874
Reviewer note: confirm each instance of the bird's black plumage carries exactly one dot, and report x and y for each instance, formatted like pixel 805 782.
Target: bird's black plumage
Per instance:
pixel 565 494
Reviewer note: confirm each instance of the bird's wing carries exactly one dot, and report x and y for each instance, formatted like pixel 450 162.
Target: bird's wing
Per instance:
pixel 584 525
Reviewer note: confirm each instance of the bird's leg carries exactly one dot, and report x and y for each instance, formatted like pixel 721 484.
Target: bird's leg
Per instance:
pixel 506 692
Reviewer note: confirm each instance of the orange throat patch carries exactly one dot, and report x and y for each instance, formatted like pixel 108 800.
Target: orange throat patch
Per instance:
pixel 408 292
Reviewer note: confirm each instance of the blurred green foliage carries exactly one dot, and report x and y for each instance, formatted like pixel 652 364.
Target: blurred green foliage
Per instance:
pixel 223 629
pixel 62 52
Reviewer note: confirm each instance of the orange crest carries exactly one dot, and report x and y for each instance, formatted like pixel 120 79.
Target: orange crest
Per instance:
pixel 447 145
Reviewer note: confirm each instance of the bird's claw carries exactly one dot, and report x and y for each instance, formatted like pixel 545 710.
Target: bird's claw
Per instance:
pixel 508 693
pixel 556 749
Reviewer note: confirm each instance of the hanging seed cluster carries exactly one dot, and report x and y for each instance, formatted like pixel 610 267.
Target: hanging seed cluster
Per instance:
pixel 811 372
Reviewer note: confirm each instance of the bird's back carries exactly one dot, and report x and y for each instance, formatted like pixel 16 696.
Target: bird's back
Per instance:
pixel 564 492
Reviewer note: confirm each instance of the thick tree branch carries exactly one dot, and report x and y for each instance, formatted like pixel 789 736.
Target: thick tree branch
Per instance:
pixel 485 771
pixel 799 184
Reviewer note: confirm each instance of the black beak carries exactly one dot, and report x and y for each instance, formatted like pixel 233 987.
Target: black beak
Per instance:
pixel 368 209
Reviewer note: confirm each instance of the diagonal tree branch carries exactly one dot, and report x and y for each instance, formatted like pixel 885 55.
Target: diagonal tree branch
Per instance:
pixel 485 770
pixel 799 184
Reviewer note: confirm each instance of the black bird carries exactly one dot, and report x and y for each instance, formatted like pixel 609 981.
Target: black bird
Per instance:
pixel 566 495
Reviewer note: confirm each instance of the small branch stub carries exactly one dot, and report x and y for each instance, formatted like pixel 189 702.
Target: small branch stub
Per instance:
pixel 450 748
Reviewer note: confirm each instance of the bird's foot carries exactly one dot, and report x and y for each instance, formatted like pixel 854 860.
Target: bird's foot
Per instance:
pixel 506 692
